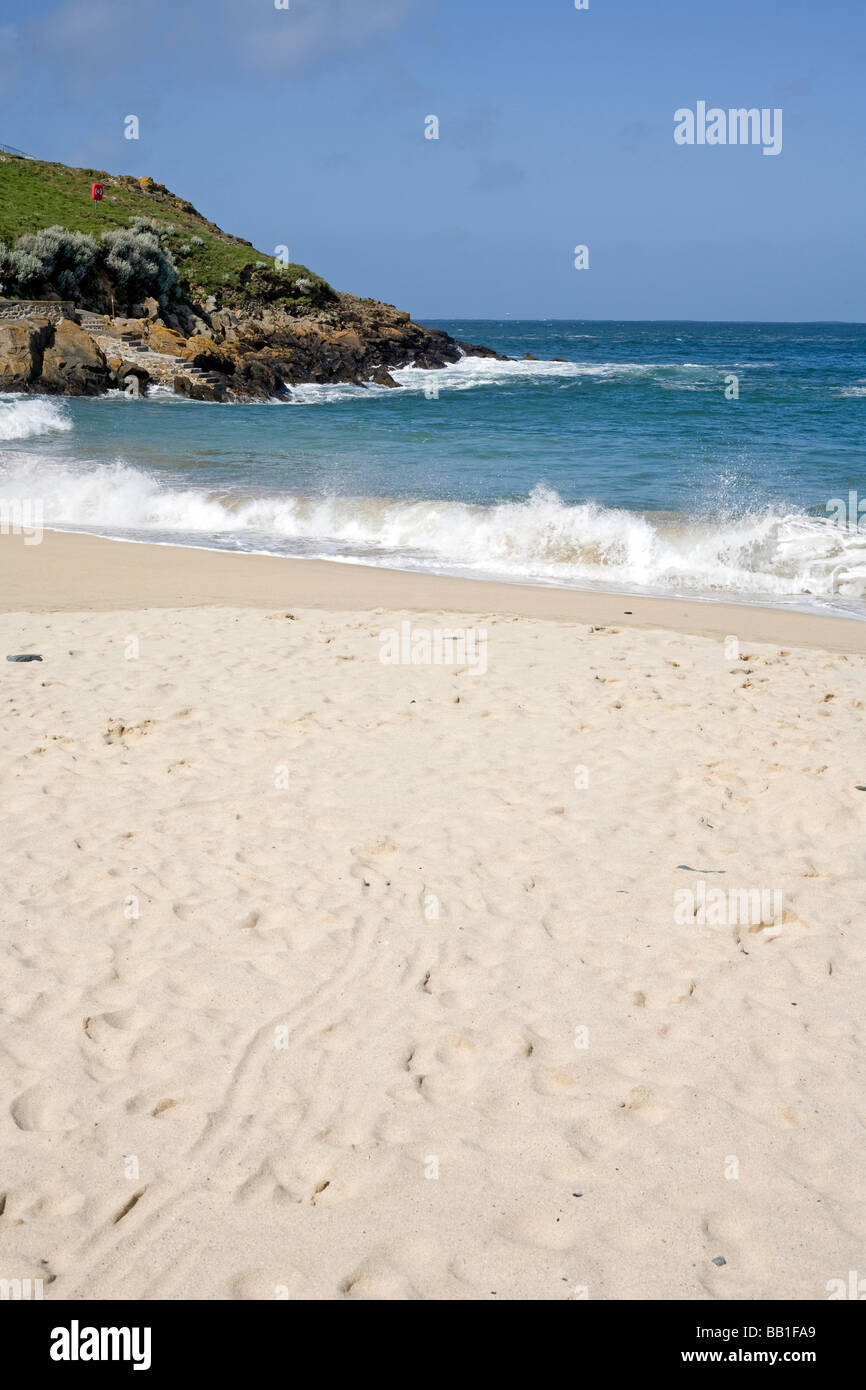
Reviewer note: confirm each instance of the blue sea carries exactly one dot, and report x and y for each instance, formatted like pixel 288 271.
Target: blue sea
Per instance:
pixel 705 460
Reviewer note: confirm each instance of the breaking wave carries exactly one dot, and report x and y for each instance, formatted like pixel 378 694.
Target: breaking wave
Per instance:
pixel 470 373
pixel 768 556
pixel 23 417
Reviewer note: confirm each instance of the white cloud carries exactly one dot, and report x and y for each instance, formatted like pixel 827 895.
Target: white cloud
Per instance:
pixel 94 36
pixel 294 39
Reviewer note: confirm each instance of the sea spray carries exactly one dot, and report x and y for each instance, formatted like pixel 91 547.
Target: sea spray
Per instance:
pixel 23 417
pixel 757 556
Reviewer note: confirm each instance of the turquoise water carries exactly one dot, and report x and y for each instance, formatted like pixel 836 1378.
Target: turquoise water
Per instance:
pixel 624 466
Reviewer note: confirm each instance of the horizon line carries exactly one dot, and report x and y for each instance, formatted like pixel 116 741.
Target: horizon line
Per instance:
pixel 456 318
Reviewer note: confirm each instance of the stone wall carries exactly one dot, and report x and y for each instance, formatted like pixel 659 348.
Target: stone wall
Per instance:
pixel 52 309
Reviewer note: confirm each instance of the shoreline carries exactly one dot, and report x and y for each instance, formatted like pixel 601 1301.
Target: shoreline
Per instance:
pixel 76 572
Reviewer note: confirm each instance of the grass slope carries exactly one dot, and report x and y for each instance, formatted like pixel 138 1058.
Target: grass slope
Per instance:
pixel 36 194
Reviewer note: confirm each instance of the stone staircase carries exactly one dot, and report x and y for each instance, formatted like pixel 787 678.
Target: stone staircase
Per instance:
pixel 160 366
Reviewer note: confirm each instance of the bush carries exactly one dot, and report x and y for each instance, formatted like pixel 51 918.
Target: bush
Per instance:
pixel 26 271
pixel 64 260
pixel 163 230
pixel 140 265
pixel 76 266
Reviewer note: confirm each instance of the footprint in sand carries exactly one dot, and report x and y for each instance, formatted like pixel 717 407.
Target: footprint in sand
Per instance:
pixel 24 1204
pixel 644 1106
pixel 377 1279
pixel 43 1109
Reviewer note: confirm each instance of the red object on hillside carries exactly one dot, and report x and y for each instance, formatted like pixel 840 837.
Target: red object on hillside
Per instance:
pixel 96 191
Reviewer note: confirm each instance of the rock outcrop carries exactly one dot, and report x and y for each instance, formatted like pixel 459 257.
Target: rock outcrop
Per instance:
pixel 72 364
pixel 262 352
pixel 56 359
pixel 231 354
pixel 22 348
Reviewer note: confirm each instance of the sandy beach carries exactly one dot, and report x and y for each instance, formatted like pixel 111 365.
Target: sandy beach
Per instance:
pixel 327 976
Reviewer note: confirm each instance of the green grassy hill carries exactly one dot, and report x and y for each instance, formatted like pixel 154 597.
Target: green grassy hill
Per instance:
pixel 36 194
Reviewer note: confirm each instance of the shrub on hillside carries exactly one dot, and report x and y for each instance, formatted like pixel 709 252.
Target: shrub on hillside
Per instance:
pixel 140 265
pixel 8 275
pixel 25 271
pixel 129 264
pixel 152 224
pixel 54 258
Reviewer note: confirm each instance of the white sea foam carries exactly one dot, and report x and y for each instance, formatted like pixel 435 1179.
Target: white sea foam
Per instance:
pixel 470 373
pixel 762 556
pixel 23 417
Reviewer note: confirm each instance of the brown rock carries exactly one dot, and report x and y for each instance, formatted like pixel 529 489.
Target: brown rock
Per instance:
pixel 347 341
pixel 197 390
pixel 203 352
pixel 166 340
pixel 382 377
pixel 72 364
pixel 478 350
pixel 258 378
pixel 21 350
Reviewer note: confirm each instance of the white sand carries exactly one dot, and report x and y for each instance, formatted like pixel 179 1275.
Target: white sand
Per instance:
pixel 414 1040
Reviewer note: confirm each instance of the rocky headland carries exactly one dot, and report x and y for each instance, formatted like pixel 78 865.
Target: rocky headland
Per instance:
pixel 138 289
pixel 227 355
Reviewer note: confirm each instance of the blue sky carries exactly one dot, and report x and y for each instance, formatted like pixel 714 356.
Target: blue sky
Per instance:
pixel 305 127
